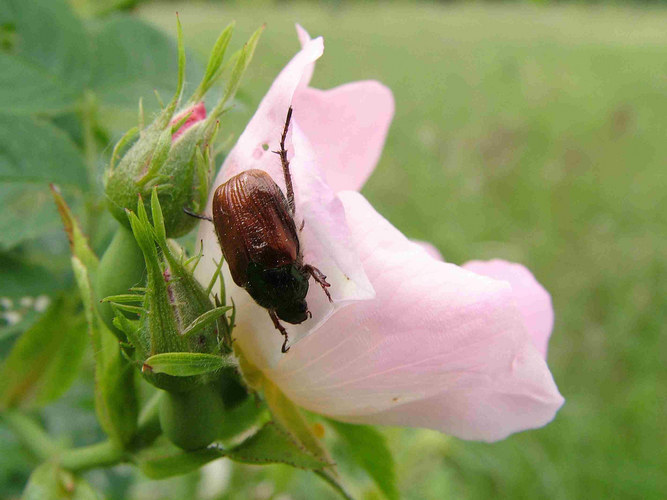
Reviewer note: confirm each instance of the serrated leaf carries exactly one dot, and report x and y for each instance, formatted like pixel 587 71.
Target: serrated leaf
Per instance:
pixel 268 445
pixel 49 67
pixel 32 155
pixel 50 482
pixel 368 448
pixel 272 444
pixel 185 364
pixel 45 360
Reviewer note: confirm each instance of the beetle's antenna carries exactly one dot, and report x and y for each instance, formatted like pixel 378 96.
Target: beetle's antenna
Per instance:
pixel 197 216
pixel 283 160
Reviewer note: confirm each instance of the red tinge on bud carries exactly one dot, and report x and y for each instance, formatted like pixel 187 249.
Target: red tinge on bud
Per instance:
pixel 197 113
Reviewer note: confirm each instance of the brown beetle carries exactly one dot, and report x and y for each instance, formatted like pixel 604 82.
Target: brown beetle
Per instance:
pixel 255 226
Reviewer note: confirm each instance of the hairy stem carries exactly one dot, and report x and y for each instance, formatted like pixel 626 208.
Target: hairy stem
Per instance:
pixel 104 454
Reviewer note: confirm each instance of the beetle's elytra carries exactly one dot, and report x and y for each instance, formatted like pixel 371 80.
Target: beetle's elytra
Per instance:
pixel 254 222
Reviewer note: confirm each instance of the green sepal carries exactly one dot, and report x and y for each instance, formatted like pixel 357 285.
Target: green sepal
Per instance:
pixel 116 400
pixel 214 63
pixel 115 392
pixel 176 315
pixel 186 364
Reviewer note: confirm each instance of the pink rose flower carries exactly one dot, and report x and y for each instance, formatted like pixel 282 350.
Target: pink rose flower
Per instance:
pixel 409 340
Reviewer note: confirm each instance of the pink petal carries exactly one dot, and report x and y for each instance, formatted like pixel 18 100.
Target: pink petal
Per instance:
pixel 532 300
pixel 346 125
pixel 439 347
pixel 325 238
pixel 197 113
pixel 430 249
pixel 304 38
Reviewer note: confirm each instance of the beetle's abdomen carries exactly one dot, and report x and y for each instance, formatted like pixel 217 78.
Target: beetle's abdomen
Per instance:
pixel 254 224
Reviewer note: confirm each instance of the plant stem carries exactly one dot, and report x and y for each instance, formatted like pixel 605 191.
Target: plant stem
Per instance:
pixel 104 454
pixel 31 435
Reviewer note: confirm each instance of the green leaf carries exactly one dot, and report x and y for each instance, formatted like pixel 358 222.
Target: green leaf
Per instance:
pixel 45 360
pixel 94 8
pixel 50 482
pixel 132 61
pixel 185 364
pixel 269 445
pixel 368 448
pixel 334 482
pixel 22 278
pixel 33 154
pixel 34 151
pixel 24 89
pixel 48 67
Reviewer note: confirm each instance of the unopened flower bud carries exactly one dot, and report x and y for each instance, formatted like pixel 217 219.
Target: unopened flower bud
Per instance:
pixel 173 153
pixel 176 314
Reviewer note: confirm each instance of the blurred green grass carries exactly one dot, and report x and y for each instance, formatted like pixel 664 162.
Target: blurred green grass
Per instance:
pixel 538 135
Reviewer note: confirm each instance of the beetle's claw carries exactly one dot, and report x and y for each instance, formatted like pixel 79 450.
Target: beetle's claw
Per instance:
pixel 320 278
pixel 281 329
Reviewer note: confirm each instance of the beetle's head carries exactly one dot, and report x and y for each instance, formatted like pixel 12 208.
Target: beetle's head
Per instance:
pixel 294 313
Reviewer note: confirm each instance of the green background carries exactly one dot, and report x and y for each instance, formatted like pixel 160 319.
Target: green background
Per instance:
pixel 534 134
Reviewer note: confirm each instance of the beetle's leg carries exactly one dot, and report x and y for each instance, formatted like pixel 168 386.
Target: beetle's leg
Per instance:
pixel 320 278
pixel 303 223
pixel 197 216
pixel 283 159
pixel 280 328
